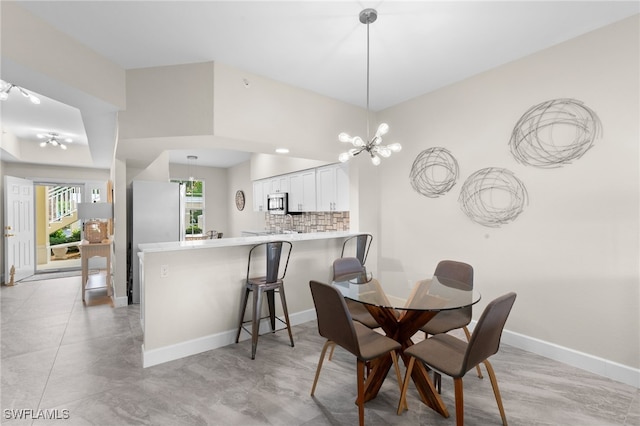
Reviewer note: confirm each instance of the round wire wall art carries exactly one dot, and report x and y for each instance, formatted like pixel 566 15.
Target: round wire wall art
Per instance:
pixel 434 172
pixel 493 197
pixel 554 133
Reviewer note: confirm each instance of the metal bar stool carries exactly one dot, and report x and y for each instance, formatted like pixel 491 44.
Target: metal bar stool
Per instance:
pixel 270 283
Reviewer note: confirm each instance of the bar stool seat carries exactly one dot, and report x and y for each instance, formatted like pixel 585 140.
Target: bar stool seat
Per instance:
pixel 270 283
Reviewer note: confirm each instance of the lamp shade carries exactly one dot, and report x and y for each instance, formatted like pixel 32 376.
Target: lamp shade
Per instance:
pixel 88 211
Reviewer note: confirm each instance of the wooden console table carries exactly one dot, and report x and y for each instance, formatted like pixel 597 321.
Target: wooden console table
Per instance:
pixel 87 251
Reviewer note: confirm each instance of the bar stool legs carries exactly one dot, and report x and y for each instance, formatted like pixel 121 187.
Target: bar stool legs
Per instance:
pixel 257 311
pixel 286 315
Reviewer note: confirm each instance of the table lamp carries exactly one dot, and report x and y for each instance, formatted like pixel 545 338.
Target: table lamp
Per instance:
pixel 94 216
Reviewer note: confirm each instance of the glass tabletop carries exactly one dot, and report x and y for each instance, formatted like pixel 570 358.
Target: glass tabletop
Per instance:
pixel 432 294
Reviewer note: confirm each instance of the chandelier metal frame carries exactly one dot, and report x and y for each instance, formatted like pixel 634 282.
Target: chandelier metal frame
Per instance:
pixel 7 87
pixel 53 139
pixel 373 145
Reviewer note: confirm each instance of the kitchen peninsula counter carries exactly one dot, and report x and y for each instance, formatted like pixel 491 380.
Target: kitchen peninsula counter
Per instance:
pixel 242 241
pixel 191 290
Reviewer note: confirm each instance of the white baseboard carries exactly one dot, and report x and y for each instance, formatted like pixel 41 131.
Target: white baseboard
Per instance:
pixel 603 367
pixel 120 302
pixel 213 341
pixel 593 364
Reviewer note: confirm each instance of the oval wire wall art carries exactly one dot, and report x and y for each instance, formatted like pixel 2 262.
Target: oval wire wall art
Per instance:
pixel 493 197
pixel 554 133
pixel 434 172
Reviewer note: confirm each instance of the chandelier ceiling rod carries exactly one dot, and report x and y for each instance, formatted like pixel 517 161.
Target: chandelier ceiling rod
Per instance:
pixel 368 16
pixel 371 145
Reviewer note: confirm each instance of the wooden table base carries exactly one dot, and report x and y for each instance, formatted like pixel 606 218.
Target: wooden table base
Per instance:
pixel 401 326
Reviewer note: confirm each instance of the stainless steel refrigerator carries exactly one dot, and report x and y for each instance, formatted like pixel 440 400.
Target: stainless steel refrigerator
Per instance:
pixel 157 215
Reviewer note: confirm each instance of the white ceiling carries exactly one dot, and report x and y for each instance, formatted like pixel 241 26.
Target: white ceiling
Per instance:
pixel 416 46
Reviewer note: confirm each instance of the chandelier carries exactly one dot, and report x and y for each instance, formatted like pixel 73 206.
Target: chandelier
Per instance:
pixel 373 146
pixel 53 139
pixel 5 89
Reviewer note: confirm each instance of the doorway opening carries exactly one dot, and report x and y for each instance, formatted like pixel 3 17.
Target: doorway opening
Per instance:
pixel 58 229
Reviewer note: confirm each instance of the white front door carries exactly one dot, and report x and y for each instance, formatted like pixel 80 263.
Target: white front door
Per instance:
pixel 18 229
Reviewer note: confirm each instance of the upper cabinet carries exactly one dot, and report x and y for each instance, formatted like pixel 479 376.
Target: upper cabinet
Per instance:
pixel 278 184
pixel 332 188
pixel 259 196
pixel 302 191
pixel 323 189
pixel 263 187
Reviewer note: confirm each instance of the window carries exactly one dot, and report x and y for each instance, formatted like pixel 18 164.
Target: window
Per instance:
pixel 194 206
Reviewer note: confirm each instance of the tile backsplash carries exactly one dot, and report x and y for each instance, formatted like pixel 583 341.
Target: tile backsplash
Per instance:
pixel 308 222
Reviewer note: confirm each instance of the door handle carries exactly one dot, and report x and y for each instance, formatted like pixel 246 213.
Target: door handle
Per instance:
pixel 9 235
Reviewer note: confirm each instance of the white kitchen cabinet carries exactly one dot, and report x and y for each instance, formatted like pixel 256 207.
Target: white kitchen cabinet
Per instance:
pixel 332 188
pixel 259 196
pixel 302 191
pixel 278 184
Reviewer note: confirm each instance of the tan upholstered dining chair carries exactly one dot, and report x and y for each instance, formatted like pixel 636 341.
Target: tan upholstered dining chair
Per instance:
pixel 454 357
pixel 446 321
pixel 346 268
pixel 336 325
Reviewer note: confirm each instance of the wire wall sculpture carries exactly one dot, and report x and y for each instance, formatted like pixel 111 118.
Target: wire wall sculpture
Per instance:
pixel 554 133
pixel 434 172
pixel 493 197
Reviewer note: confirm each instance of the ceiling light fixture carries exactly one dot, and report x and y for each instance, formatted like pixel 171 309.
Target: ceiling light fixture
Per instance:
pixel 192 159
pixel 372 146
pixel 5 88
pixel 53 139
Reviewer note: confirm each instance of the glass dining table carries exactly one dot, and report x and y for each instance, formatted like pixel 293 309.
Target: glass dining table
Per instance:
pixel 401 309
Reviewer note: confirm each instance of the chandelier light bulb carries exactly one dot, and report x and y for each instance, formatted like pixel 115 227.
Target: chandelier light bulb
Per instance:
pixel 357 141
pixel 395 147
pixel 383 129
pixel 384 151
pixel 34 99
pixel 344 157
pixel 344 137
pixel 4 96
pixel 63 146
pixel 43 144
pixel 375 160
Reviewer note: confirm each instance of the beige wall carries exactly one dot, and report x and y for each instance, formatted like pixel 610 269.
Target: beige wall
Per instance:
pixel 572 255
pixel 269 114
pixel 168 101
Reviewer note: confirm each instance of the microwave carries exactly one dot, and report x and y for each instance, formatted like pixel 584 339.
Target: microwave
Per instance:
pixel 277 203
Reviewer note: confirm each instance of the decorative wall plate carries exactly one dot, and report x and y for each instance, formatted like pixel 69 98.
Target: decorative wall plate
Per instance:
pixel 240 200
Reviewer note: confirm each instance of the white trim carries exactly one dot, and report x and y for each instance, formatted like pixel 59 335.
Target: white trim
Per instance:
pixel 120 302
pixel 213 341
pixel 603 367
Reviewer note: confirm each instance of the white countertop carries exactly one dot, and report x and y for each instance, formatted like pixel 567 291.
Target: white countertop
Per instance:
pixel 240 241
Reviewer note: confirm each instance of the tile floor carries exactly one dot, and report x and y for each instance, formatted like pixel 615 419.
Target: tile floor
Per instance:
pixel 82 364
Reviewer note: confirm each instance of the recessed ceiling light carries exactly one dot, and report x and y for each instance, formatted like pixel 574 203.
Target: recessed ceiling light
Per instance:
pixel 282 150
